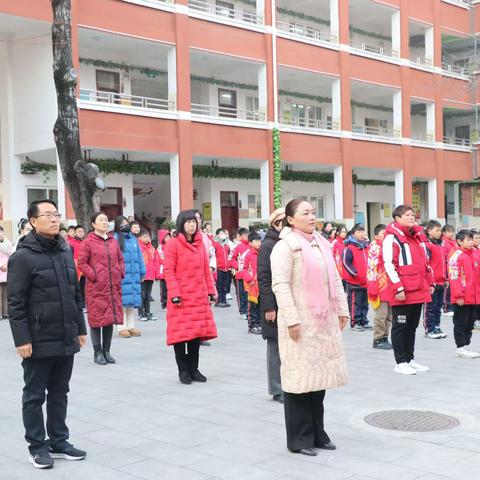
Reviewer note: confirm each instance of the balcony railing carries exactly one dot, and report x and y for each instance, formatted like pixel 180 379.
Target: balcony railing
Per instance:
pixel 124 100
pixel 227 112
pixel 306 31
pixel 425 61
pixel 311 123
pixel 423 137
pixel 456 69
pixel 376 131
pixel 211 9
pixel 459 142
pixel 374 49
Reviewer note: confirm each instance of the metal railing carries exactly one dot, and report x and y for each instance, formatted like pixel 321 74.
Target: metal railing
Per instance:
pixel 211 9
pixel 124 100
pixel 311 123
pixel 425 61
pixel 227 112
pixel 306 31
pixel 422 137
pixel 375 49
pixel 459 142
pixel 456 69
pixel 376 131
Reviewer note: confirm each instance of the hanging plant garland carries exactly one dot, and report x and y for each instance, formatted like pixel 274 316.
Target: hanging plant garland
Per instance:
pixel 277 169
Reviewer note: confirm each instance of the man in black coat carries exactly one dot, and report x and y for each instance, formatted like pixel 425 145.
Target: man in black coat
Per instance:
pixel 268 304
pixel 45 307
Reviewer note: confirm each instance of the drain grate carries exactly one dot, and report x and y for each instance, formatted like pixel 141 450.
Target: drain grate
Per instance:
pixel 411 421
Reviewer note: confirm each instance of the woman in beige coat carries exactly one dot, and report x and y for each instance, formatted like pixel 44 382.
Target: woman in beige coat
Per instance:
pixel 312 311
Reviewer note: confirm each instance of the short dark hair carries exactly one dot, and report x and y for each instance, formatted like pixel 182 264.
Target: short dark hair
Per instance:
pixel 134 222
pixel 401 210
pixel 219 230
pixel 242 231
pixel 431 224
pixel 71 227
pixel 291 208
pixel 379 228
pixel 474 231
pixel 463 234
pixel 33 209
pixel 79 226
pixel 358 227
pixel 182 218
pixel 143 232
pixel 22 223
pixel 254 236
pixel 448 228
pixel 62 229
pixel 94 217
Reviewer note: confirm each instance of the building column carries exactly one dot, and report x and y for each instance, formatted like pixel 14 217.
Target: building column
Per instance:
pixel 432 198
pixel 429 46
pixel 334 20
pixel 397 114
pixel 174 186
pixel 336 105
pixel 265 189
pixel 338 192
pixel 399 187
pixel 172 78
pixel 261 9
pixel 430 108
pixel 396 34
pixel 456 200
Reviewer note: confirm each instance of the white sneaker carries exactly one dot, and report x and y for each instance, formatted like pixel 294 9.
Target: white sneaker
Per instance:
pixel 416 366
pixel 433 335
pixel 229 297
pixel 448 314
pixel 405 369
pixel 464 352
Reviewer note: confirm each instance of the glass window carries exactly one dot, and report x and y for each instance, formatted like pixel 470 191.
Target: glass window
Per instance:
pixel 227 102
pixel 35 194
pixel 108 81
pixel 225 9
pixel 318 203
pixel 254 206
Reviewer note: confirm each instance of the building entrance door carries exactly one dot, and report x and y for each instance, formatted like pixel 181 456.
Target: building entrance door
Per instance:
pixel 111 202
pixel 229 210
pixel 374 217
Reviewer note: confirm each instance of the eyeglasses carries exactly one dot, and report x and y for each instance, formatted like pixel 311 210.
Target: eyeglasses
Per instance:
pixel 50 216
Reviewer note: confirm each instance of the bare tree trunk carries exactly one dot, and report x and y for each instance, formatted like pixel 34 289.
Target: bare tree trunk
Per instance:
pixel 75 172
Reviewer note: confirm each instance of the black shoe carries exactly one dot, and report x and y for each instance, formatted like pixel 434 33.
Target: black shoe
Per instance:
pixel 151 317
pixel 41 460
pixel 68 453
pixel 196 376
pixel 251 330
pixel 382 344
pixel 108 357
pixel 278 398
pixel 358 328
pixel 205 344
pixel 367 327
pixel 327 446
pixel 185 378
pixel 311 452
pixel 164 306
pixel 227 305
pixel 152 299
pixel 99 358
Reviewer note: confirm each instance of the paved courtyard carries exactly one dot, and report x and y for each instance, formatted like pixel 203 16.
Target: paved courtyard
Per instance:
pixel 138 422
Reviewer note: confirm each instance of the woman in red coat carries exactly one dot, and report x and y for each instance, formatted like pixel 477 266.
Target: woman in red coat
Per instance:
pixel 101 261
pixel 190 294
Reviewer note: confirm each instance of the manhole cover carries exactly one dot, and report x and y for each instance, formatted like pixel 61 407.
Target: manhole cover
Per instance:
pixel 411 421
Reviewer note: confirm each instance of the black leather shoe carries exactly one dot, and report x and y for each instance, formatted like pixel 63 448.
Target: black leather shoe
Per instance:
pixel 108 357
pixel 99 358
pixel 196 376
pixel 327 446
pixel 278 398
pixel 185 378
pixel 311 452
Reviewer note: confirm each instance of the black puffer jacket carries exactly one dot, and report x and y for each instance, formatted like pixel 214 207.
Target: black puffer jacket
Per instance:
pixel 44 300
pixel 264 275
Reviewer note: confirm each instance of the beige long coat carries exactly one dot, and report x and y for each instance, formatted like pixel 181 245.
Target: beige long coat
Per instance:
pixel 317 361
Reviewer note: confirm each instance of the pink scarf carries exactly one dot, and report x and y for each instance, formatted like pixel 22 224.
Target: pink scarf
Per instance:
pixel 320 302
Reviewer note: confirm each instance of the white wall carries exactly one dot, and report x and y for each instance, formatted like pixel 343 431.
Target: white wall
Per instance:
pixel 159 202
pixel 359 114
pixel 125 182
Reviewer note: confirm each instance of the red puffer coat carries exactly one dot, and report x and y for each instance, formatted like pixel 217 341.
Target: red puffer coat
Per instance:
pixel 463 275
pixel 101 261
pixel 188 276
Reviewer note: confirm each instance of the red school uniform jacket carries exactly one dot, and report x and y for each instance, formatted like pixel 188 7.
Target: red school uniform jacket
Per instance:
pixel 463 277
pixel 238 258
pixel 222 252
pixel 151 258
pixel 377 282
pixel 449 245
pixel 337 250
pixel 161 251
pixel 355 262
pixel 437 261
pixel 406 263
pixel 250 270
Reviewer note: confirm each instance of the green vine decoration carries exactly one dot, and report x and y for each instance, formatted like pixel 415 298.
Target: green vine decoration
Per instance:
pixel 30 167
pixel 277 169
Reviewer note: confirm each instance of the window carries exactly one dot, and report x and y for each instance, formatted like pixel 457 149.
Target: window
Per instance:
pixel 107 82
pixel 314 116
pixel 252 107
pixel 374 126
pixel 298 115
pixel 463 132
pixel 35 194
pixel 254 206
pixel 227 102
pixel 225 9
pixel 318 203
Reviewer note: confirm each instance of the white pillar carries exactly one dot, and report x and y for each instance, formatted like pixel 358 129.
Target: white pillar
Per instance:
pixel 62 204
pixel 432 198
pixel 429 46
pixel 172 78
pixel 262 90
pixel 430 108
pixel 261 9
pixel 397 114
pixel 175 185
pixel 396 33
pixel 399 187
pixel 456 199
pixel 336 105
pixel 334 20
pixel 338 192
pixel 265 189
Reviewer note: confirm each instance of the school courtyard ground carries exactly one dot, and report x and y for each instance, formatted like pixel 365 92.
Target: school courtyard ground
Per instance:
pixel 138 422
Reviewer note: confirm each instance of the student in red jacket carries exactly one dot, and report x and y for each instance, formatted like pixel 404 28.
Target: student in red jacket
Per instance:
pixel 251 283
pixel 75 243
pixel 465 292
pixel 410 284
pixel 237 262
pixel 438 265
pixel 163 237
pixel 152 273
pixel 449 245
pixel 355 274
pixel 377 286
pixel 190 293
pixel 222 252
pixel 338 246
pixel 476 252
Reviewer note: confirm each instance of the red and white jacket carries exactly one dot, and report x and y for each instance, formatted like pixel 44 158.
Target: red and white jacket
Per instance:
pixel 437 261
pixel 405 258
pixel 337 249
pixel 238 259
pixel 222 253
pixel 463 277
pixel 377 282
